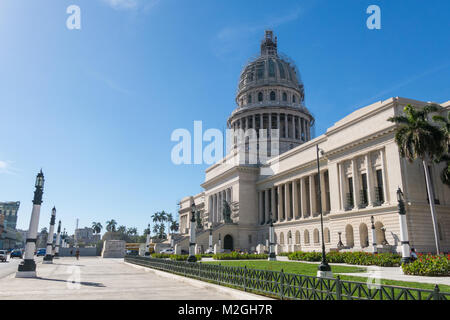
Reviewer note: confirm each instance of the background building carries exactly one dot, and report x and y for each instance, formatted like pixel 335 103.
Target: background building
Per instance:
pixel 8 221
pixel 86 236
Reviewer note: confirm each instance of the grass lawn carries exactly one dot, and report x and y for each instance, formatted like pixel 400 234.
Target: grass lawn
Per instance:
pixel 310 269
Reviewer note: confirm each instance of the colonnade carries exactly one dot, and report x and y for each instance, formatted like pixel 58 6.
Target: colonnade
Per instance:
pixel 295 199
pixel 215 204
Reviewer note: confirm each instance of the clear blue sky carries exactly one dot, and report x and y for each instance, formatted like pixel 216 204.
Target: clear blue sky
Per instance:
pixel 95 107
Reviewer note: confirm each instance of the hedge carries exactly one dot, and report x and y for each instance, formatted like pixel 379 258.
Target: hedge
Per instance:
pixel 176 257
pixel 356 258
pixel 428 265
pixel 239 256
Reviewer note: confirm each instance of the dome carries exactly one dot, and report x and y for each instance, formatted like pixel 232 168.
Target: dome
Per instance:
pixel 270 69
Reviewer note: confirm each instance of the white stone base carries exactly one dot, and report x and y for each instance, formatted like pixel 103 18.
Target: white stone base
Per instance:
pixel 26 274
pixel 47 262
pixel 272 259
pixel 325 274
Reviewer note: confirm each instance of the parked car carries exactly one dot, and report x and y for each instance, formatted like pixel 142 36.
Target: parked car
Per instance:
pixel 3 255
pixel 168 251
pixel 40 252
pixel 16 254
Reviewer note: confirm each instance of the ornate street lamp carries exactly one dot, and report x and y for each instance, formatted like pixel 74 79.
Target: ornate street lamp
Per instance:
pixel 192 257
pixel 147 242
pixel 48 259
pixel 324 268
pixel 210 240
pixel 406 253
pixel 27 268
pixel 272 256
pixel 58 240
pixel 374 236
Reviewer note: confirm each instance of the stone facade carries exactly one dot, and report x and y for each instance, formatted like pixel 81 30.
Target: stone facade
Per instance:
pixel 360 172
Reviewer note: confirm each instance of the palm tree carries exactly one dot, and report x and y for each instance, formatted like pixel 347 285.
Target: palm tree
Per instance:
pixel 111 225
pixel 147 230
pixel 122 229
pixel 132 231
pixel 169 219
pixel 174 226
pixel 97 227
pixel 445 127
pixel 418 139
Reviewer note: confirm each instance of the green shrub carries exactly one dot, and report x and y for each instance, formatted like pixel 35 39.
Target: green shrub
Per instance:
pixel 428 265
pixel 356 258
pixel 183 257
pixel 160 255
pixel 239 256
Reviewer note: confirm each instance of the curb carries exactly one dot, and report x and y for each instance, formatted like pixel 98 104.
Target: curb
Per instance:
pixel 234 293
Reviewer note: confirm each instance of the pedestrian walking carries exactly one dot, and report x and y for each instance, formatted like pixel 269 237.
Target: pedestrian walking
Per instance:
pixel 77 254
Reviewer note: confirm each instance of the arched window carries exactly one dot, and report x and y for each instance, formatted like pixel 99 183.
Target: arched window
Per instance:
pixel 363 235
pixel 316 236
pixel 249 98
pixel 284 96
pixel 379 233
pixel 272 96
pixel 281 238
pixel 306 236
pixel 326 235
pixel 349 236
pixel 297 237
pixel 293 98
pixel 260 96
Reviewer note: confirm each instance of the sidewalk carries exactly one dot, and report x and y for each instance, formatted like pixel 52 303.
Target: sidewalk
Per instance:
pixel 388 273
pixel 93 278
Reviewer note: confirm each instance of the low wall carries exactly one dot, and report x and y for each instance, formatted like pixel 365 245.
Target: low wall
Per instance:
pixel 84 252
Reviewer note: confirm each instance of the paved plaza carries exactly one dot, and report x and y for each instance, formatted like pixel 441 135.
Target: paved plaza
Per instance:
pixel 96 278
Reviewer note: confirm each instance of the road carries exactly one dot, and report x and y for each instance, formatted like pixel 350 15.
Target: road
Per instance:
pixel 96 278
pixel 11 265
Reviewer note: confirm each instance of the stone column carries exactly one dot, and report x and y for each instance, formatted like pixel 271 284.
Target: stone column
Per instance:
pixel 273 204
pixel 323 193
pixel 279 123
pixel 303 197
pixel 287 202
pixel 286 126
pixel 293 127
pixel 261 207
pixel 383 170
pixel 312 195
pixel 370 185
pixel 355 174
pixel 48 252
pixel 280 203
pixel 295 199
pixel 266 205
pixel 342 185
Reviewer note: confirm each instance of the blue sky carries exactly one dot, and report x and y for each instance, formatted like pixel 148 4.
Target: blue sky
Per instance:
pixel 95 107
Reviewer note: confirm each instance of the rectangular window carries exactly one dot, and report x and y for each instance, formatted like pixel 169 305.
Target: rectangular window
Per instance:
pixel 350 203
pixel 436 200
pixel 379 188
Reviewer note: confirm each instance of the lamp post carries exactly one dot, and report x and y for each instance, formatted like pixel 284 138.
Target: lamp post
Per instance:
pixel 210 240
pixel 324 268
pixel 48 259
pixel 192 257
pixel 27 268
pixel 147 242
pixel 272 256
pixel 58 240
pixel 406 253
pixel 374 236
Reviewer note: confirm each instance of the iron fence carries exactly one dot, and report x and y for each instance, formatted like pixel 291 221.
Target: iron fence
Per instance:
pixel 286 285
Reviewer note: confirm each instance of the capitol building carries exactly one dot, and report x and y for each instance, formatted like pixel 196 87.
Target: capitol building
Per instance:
pixel 360 172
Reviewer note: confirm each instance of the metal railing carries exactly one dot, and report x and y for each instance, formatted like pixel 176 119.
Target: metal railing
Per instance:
pixel 282 285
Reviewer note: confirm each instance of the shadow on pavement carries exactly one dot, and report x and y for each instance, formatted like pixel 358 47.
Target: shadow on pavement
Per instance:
pixel 84 283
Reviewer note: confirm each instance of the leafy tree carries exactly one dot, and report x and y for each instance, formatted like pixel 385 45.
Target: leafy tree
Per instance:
pixel 147 230
pixel 417 138
pixel 445 127
pixel 174 226
pixel 122 229
pixel 132 231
